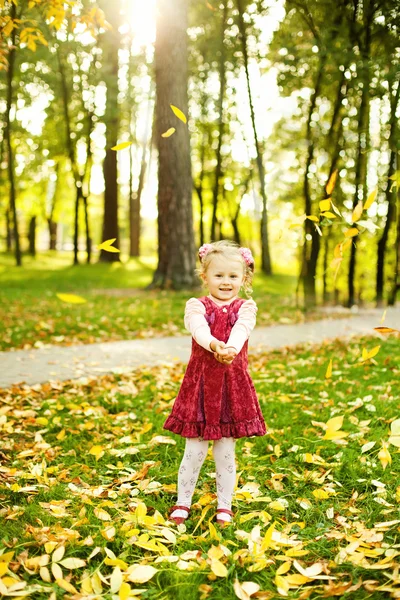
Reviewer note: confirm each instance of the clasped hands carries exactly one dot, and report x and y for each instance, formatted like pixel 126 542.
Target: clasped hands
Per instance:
pixel 223 353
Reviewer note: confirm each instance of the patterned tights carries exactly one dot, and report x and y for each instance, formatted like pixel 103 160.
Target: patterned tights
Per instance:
pixel 195 453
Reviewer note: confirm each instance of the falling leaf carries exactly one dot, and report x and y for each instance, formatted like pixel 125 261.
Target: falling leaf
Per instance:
pixel 122 146
pixel 396 180
pixel 357 212
pixel 178 113
pixel 386 330
pixel 328 373
pixel 324 205
pixel 107 246
pixel 370 199
pixel 330 186
pixel 210 7
pixel 383 316
pixel 353 231
pixel 71 298
pixel 367 355
pixel 169 132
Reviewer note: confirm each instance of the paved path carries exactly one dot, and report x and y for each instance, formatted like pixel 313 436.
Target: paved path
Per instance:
pixel 74 362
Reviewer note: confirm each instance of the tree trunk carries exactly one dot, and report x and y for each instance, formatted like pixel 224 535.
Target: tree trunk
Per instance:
pixel 136 196
pixel 390 198
pixel 222 85
pixel 176 250
pixel 10 161
pixel 396 272
pixel 111 45
pixel 265 253
pixel 53 226
pixel 362 145
pixel 32 236
pixel 9 231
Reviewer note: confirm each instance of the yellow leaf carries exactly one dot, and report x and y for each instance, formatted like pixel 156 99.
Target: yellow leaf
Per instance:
pixel 284 568
pixel 68 587
pixel 328 373
pixel 122 146
pixel 124 591
pixel 330 186
pixel 7 29
pixel 282 584
pixel 394 439
pixel 383 316
pixel 71 298
pixel 58 554
pixel 357 212
pixel 116 580
pixel 102 514
pixel 367 355
pixel 352 232
pixel 311 571
pixel 312 218
pixel 324 205
pixel 218 568
pixel 61 435
pixel 335 423
pixel 276 505
pixel 328 214
pixel 178 113
pixel 370 199
pixel 297 579
pixel 108 534
pixel 141 573
pixel 169 132
pixel 107 246
pixel 384 455
pixel 266 543
pixel 346 244
pixel 320 494
pixel 97 451
pixel 73 563
pixel 210 7
pixel 386 330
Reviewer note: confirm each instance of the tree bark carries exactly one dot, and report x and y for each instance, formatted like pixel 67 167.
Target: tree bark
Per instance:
pixel 176 250
pixel 390 198
pixel 396 272
pixel 10 160
pixel 111 45
pixel 32 236
pixel 266 265
pixel 362 135
pixel 222 86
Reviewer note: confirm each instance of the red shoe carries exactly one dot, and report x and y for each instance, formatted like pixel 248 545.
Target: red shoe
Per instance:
pixel 178 520
pixel 222 522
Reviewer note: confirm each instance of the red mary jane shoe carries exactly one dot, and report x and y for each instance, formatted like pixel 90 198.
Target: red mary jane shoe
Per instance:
pixel 222 522
pixel 178 520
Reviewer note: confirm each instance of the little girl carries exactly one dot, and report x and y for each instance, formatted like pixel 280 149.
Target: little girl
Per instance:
pixel 217 400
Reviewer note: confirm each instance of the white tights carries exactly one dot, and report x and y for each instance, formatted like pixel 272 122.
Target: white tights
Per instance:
pixel 195 453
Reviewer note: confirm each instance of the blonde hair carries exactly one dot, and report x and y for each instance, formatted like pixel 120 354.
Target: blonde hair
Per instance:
pixel 230 250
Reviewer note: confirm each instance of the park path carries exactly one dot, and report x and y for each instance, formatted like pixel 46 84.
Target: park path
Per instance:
pixel 73 362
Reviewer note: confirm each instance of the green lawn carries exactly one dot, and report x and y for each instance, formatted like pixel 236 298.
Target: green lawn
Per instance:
pixel 117 308
pixel 87 467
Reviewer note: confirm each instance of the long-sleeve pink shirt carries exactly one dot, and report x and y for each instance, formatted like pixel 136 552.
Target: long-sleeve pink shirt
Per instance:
pixel 196 323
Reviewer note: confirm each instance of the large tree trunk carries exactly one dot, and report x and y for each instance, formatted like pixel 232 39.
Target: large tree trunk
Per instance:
pixel 111 45
pixel 396 272
pixel 10 157
pixel 222 86
pixel 390 197
pixel 363 137
pixel 176 249
pixel 266 265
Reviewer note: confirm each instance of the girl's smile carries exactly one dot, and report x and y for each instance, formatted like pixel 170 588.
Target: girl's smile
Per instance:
pixel 224 278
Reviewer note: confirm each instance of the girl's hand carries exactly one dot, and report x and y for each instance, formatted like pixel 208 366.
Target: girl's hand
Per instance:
pixel 225 355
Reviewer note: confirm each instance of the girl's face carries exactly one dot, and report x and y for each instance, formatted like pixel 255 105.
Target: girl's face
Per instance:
pixel 224 278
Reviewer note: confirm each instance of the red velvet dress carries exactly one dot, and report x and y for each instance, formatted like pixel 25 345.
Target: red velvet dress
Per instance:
pixel 217 400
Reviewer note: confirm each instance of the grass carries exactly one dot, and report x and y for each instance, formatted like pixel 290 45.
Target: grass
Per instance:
pixel 117 308
pixel 74 449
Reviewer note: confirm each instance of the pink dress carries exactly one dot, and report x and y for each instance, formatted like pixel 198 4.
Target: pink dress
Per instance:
pixel 217 400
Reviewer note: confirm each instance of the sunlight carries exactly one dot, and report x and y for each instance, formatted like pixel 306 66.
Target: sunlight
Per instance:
pixel 142 19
